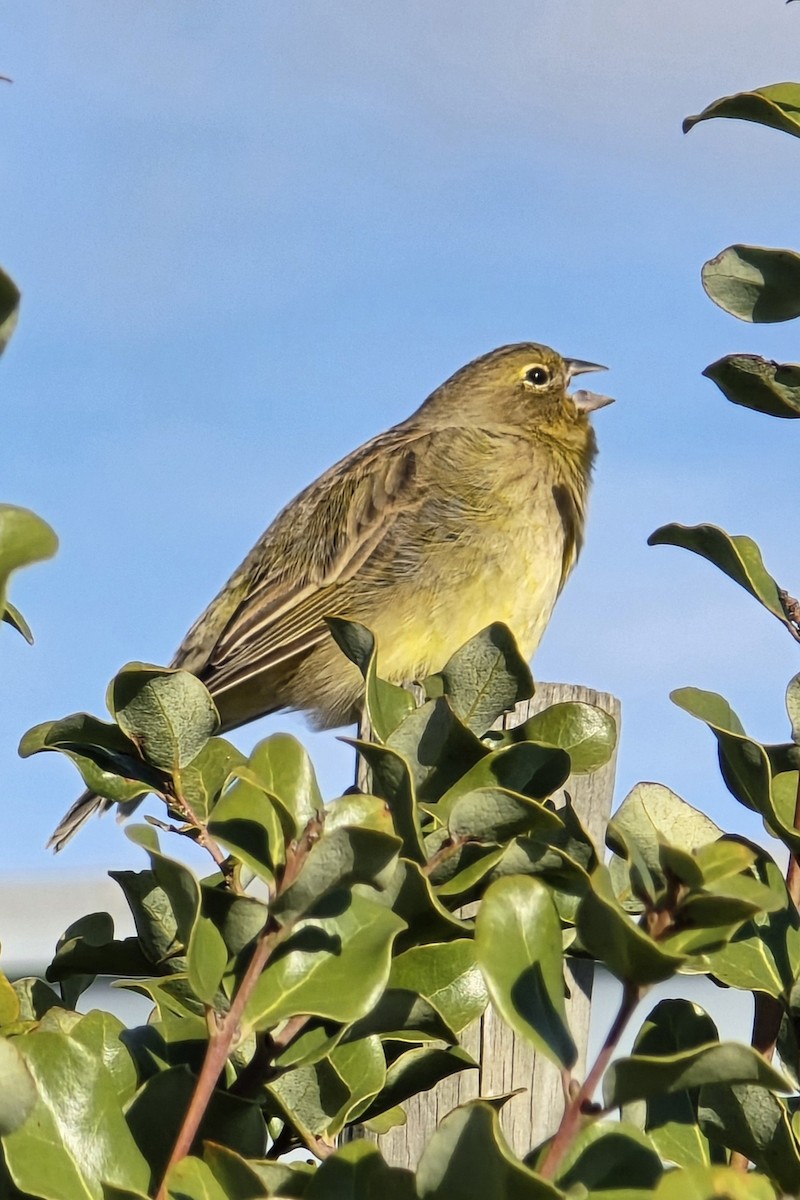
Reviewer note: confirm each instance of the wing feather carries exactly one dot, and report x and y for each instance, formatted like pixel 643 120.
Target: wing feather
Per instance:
pixel 295 574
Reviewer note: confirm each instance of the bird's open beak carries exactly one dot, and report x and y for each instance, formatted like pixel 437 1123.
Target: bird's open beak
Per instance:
pixel 576 366
pixel 586 401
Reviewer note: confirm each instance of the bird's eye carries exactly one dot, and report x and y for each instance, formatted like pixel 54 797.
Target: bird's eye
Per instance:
pixel 537 375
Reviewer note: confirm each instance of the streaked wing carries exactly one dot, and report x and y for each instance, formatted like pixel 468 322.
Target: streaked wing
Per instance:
pixel 271 611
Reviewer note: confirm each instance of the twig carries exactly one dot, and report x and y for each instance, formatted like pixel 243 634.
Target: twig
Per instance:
pixel 450 848
pixel 580 1104
pixel 176 799
pixel 225 1027
pixel 791 608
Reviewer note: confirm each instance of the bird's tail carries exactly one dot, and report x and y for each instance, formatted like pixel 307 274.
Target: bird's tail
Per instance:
pixel 84 807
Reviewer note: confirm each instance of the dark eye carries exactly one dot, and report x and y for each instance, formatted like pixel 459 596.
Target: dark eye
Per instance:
pixel 538 376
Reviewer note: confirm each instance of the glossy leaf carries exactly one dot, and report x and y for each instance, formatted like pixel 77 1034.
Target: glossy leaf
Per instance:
pixel 737 556
pixel 518 943
pixel 333 966
pixel 386 704
pixel 756 383
pixel 607 932
pixel 76 1134
pixel 203 779
pixel 340 858
pixel 606 1156
pixel 777 106
pixel 107 760
pixel 157 1111
pixel 252 824
pixel 713 1183
pixel 752 1121
pixel 671 1118
pixel 415 1071
pixel 436 747
pixel 24 537
pixel 168 714
pixel 358 1172
pixel 9 308
pixel 468 1157
pixel 755 283
pixel 285 770
pixel 18 1091
pixel 586 732
pixel 390 778
pixel 448 975
pixel 486 677
pixel 641 1076
pixel 192 1179
pixel 793 706
pixel 536 771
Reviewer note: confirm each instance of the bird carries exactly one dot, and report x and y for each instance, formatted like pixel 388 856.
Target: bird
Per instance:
pixel 470 511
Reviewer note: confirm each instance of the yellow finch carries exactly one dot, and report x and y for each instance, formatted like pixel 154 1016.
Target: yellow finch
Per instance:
pixel 470 511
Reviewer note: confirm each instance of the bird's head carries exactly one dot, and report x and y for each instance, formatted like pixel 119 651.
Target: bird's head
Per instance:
pixel 523 385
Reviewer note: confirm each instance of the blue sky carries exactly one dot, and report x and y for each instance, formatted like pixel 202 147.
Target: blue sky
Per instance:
pixel 249 237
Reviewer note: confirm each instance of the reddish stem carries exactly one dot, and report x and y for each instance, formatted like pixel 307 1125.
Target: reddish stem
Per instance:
pixel 225 1028
pixel 577 1108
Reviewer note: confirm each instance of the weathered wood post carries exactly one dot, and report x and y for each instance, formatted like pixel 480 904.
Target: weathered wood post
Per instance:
pixel 507 1062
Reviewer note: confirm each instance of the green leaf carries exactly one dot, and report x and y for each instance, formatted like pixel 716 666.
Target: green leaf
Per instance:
pixel 153 915
pixel 752 382
pixel 713 1183
pixel 468 1157
pixel 13 617
pixel 237 1177
pixel 643 1075
pixel 608 933
pixel 358 1172
pixel 651 817
pixel 178 883
pixel 285 770
pixel 76 1134
pixel 18 1093
pixel 157 1112
pixel 586 732
pixel 288 1180
pixel 9 309
pixel 402 1015
pixel 777 106
pixel 249 822
pixel 340 858
pixel 101 1033
pixel 606 1156
pixel 24 537
pixel 107 760
pixel 436 747
pixel 755 283
pixel 518 943
pixel 386 704
pixel 486 677
pixel 534 770
pixel 168 714
pixel 496 814
pixel 207 959
pixel 448 975
pixel 745 764
pixel 751 1120
pixel 334 965
pixel 95 930
pixel 192 1179
pixel 410 895
pixel 737 556
pixel 672 1117
pixel 390 779
pixel 203 779
pixel 416 1071
pixel 793 706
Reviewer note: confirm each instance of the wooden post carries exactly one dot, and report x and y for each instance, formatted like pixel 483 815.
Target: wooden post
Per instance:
pixel 507 1062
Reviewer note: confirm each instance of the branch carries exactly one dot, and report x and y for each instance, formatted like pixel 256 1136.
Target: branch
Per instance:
pixel 580 1105
pixel 225 1027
